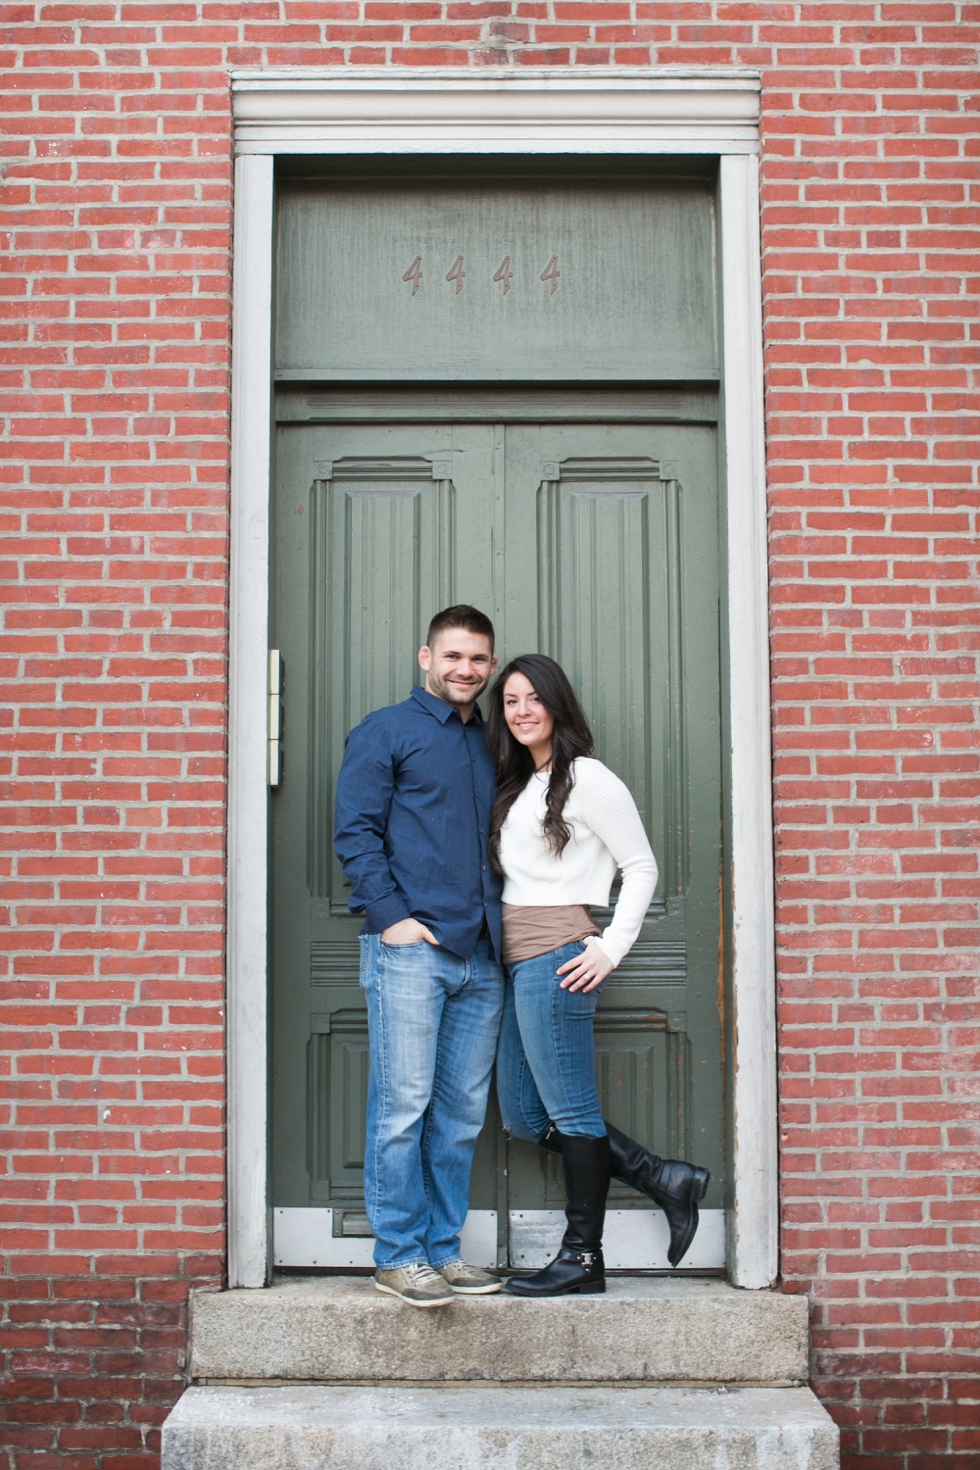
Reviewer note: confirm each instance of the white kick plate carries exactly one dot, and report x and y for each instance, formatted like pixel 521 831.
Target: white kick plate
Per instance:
pixel 633 1240
pixel 305 1238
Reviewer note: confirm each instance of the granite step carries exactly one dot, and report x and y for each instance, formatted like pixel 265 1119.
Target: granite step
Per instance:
pixel 499 1428
pixel 644 1330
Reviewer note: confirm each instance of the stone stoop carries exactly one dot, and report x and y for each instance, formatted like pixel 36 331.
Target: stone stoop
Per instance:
pixel 660 1373
pixel 482 1428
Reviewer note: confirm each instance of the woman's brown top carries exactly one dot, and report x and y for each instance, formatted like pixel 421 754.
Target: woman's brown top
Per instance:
pixel 533 929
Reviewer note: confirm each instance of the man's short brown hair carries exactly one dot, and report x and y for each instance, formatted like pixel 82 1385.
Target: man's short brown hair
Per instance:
pixel 462 615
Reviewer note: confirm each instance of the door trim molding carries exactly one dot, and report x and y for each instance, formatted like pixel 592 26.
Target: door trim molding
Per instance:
pixel 248 659
pixel 393 110
pixel 754 1239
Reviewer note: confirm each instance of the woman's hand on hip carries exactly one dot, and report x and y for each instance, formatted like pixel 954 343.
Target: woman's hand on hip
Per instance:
pixel 588 969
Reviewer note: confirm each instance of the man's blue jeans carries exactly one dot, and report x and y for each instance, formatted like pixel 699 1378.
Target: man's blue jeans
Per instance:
pixel 546 1054
pixel 433 1020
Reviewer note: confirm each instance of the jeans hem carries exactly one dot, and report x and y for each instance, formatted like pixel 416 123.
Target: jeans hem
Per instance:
pixel 400 1265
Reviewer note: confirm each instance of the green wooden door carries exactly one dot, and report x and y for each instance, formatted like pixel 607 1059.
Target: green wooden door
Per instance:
pixel 597 543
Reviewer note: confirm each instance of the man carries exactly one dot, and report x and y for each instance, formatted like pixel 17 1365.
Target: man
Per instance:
pixel 414 796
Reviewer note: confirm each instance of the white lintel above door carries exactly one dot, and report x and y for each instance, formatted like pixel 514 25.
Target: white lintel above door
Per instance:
pixel 496 110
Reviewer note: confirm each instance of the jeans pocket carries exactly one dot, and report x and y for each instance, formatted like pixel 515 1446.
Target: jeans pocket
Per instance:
pixel 401 948
pixel 570 951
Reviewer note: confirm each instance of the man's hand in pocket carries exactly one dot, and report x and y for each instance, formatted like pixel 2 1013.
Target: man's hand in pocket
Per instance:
pixel 408 931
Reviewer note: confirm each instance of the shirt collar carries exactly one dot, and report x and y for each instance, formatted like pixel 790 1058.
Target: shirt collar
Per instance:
pixel 441 708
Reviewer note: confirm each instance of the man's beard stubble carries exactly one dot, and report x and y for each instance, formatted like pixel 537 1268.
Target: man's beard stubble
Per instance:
pixel 453 693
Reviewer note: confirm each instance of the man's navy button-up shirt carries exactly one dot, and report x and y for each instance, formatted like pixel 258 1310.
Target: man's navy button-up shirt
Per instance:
pixel 414 796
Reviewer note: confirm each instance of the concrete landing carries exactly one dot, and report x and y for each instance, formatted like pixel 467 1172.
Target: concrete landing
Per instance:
pixel 653 1330
pixel 484 1428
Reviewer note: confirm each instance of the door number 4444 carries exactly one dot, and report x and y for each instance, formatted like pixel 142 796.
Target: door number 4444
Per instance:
pixel 503 275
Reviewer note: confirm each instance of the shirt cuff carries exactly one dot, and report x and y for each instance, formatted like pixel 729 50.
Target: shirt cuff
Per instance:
pixel 385 912
pixel 610 948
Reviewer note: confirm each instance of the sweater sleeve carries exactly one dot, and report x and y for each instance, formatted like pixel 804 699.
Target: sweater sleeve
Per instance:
pixel 608 808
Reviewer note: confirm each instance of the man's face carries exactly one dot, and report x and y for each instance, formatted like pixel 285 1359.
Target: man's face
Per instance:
pixel 459 666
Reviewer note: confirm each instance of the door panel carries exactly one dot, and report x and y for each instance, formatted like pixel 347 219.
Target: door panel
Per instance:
pixel 608 558
pixel 596 543
pixel 381 543
pixel 368 522
pixel 627 572
pixel 634 297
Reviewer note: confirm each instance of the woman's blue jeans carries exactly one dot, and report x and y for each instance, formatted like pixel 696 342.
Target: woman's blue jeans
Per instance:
pixel 546 1052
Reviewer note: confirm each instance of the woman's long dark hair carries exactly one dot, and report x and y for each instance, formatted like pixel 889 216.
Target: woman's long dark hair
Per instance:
pixel 515 765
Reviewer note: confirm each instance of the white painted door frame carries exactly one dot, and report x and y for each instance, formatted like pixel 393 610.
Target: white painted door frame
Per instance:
pixel 392 110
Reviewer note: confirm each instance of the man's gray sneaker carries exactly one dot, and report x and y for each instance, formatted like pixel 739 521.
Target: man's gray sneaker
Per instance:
pixel 418 1285
pixel 469 1280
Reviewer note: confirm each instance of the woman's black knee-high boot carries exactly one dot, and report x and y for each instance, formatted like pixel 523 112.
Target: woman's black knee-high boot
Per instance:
pixel 677 1187
pixel 578 1266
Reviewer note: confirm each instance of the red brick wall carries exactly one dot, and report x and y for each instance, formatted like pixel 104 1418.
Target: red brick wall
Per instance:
pixel 114 295
pixel 872 269
pixel 113 479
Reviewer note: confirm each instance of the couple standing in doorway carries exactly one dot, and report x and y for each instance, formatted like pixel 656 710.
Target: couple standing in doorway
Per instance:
pixel 475 850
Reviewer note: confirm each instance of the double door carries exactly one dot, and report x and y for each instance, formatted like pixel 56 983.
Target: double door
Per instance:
pixel 595 542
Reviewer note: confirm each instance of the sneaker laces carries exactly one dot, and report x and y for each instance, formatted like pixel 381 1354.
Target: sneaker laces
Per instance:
pixel 422 1274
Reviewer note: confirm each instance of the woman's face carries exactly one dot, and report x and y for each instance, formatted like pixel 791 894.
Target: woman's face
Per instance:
pixel 527 719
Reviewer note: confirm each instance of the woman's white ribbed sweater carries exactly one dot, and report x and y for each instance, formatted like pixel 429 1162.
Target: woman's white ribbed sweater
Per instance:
pixel 606 833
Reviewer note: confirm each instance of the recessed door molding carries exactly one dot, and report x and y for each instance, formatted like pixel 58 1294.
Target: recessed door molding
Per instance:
pixel 408 111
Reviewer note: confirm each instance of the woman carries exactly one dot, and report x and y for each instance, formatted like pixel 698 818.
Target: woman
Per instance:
pixel 561 825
